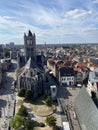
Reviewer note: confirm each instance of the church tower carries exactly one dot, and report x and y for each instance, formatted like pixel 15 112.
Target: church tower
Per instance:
pixel 30 46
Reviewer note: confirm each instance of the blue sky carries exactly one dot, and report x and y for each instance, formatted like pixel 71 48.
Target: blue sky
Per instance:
pixel 53 21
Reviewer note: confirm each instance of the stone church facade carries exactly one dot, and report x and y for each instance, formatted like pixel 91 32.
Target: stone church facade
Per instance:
pixel 30 76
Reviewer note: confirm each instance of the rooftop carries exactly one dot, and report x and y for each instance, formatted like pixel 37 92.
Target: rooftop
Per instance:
pixel 86 111
pixel 30 64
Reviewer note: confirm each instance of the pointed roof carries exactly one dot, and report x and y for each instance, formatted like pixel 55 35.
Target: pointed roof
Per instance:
pixel 24 34
pixel 29 33
pixel 30 64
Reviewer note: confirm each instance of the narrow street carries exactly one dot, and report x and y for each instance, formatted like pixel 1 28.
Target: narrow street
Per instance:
pixel 7 97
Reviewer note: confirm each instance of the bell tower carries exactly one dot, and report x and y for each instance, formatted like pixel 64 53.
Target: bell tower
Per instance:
pixel 30 46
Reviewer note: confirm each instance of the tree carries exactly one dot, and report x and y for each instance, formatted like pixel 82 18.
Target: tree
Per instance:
pixel 28 125
pixel 21 123
pixel 16 122
pixel 22 111
pixel 48 102
pixel 29 95
pixel 6 52
pixel 51 121
pixel 21 93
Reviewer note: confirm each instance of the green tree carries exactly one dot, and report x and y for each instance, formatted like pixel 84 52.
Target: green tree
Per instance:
pixel 21 93
pixel 6 52
pixel 56 128
pixel 19 122
pixel 28 125
pixel 48 102
pixel 51 121
pixel 22 111
pixel 16 122
pixel 28 95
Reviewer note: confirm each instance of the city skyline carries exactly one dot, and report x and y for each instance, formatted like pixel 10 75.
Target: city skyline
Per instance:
pixel 54 21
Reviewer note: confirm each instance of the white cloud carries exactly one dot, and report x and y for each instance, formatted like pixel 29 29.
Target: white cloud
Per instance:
pixel 95 1
pixel 8 23
pixel 8 17
pixel 78 14
pixel 49 23
pixel 92 31
pixel 38 13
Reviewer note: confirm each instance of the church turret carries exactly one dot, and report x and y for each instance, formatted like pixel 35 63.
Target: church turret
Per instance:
pixel 30 46
pixel 29 33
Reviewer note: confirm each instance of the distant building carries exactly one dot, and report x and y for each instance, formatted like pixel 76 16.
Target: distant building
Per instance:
pixel 1 52
pixel 11 45
pixel 51 64
pixel 81 72
pixel 94 60
pixel 7 45
pixel 1 74
pixel 93 81
pixel 13 54
pixel 5 64
pixel 62 71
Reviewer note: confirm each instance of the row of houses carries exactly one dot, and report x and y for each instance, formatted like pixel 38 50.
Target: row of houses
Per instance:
pixel 68 72
pixel 4 66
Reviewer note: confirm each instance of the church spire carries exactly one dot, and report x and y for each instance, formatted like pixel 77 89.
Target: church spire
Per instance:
pixel 29 33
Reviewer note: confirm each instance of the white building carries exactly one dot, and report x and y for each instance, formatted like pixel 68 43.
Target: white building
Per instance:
pixel 66 76
pixel 53 90
pixel 93 81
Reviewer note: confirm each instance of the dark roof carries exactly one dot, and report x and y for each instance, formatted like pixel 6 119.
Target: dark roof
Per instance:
pixel 66 71
pixel 39 58
pixel 86 110
pixel 48 84
pixel 30 64
pixel 29 33
pixel 95 99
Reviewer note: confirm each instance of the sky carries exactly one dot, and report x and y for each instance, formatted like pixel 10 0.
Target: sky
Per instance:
pixel 53 21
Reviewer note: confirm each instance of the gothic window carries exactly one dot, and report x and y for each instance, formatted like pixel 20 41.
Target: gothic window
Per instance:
pixel 28 42
pixel 31 73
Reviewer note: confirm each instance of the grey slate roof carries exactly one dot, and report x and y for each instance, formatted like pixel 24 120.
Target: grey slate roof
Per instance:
pixel 86 110
pixel 96 100
pixel 67 71
pixel 48 84
pixel 39 58
pixel 30 64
